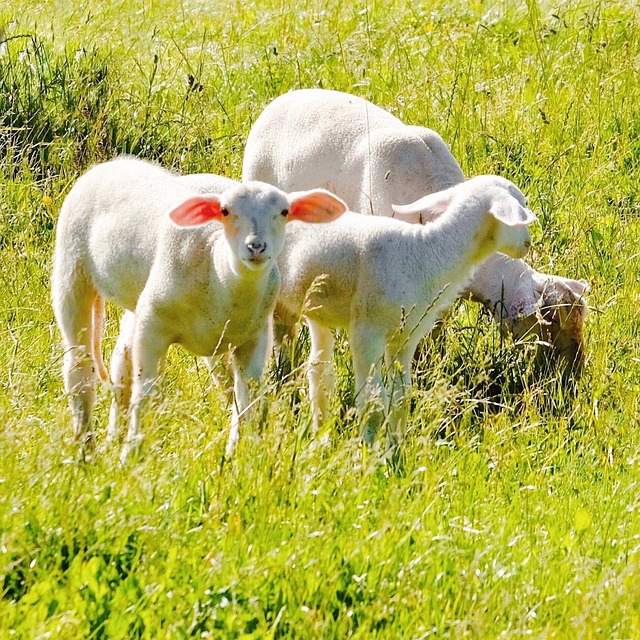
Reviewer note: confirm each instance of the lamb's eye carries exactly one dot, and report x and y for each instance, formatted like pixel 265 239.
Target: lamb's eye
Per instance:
pixel 285 212
pixel 224 211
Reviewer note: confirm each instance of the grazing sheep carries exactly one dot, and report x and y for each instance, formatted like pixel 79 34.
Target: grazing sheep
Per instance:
pixel 387 282
pixel 321 138
pixel 198 271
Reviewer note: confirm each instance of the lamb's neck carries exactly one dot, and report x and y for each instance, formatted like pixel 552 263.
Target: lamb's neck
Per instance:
pixel 456 244
pixel 505 286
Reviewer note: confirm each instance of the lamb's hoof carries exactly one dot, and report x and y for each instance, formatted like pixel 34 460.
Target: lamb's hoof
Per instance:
pixel 130 450
pixel 85 454
pixel 87 448
pixel 107 445
pixel 230 450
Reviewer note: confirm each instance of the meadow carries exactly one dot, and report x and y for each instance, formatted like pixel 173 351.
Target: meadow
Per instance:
pixel 517 512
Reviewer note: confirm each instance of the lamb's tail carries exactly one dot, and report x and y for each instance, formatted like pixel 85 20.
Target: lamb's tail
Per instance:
pixel 98 318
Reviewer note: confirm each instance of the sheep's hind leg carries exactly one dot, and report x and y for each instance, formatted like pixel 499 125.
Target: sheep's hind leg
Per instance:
pixel 121 373
pixel 74 313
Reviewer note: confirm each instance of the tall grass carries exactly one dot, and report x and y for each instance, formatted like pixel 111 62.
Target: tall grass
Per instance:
pixel 517 512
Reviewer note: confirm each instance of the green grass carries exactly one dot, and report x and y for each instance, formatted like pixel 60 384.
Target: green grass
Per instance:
pixel 518 512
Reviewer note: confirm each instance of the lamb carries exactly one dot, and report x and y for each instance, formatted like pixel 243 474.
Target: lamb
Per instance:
pixel 387 282
pixel 321 138
pixel 194 270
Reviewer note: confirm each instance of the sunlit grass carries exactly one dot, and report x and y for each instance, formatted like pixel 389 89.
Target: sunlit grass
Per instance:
pixel 516 513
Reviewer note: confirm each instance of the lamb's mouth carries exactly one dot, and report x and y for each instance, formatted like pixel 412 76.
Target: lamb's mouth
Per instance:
pixel 257 262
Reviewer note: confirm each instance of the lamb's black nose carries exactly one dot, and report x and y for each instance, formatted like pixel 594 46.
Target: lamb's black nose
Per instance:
pixel 256 246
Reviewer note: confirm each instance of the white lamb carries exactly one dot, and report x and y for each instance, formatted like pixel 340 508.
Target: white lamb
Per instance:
pixel 320 138
pixel 211 287
pixel 387 282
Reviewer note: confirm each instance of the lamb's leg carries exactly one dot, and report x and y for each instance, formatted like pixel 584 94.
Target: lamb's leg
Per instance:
pixel 367 348
pixel 320 373
pixel 220 375
pixel 121 376
pixel 240 405
pixel 399 384
pixel 149 347
pixel 73 307
pixel 247 362
pixel 285 329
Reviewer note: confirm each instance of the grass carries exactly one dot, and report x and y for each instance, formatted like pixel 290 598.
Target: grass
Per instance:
pixel 517 514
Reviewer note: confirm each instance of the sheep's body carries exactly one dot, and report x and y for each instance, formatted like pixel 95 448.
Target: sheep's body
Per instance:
pixel 349 146
pixel 321 138
pixel 208 183
pixel 387 282
pixel 211 287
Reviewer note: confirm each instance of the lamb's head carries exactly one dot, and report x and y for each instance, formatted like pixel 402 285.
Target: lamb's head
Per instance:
pixel 557 320
pixel 254 215
pixel 506 215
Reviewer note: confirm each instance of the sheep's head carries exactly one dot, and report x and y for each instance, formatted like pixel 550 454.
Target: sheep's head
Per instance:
pixel 504 227
pixel 557 321
pixel 254 215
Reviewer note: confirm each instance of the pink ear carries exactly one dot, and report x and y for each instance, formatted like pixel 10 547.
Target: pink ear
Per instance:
pixel 315 206
pixel 196 211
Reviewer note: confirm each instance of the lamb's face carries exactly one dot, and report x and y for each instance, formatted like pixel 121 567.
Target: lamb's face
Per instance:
pixel 513 217
pixel 254 217
pixel 558 322
pixel 514 241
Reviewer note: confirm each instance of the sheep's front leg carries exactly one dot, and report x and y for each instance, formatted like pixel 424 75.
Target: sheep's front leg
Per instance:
pixel 398 362
pixel 121 376
pixel 247 363
pixel 367 348
pixel 149 347
pixel 320 373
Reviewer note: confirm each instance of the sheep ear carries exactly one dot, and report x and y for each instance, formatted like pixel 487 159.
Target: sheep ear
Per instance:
pixel 577 287
pixel 512 213
pixel 196 211
pixel 317 205
pixel 430 207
